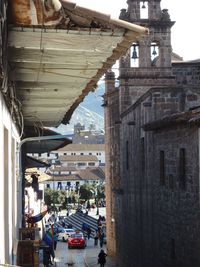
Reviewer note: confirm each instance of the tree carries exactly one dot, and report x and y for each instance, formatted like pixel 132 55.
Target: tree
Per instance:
pixel 101 191
pixel 62 198
pixel 86 192
pixel 48 196
pixel 55 197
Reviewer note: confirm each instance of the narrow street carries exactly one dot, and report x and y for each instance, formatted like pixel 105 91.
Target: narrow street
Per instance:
pixel 75 257
pixel 79 257
pixel 72 257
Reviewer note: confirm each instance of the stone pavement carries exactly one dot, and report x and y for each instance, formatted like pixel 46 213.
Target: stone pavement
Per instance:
pixel 91 255
pixel 91 252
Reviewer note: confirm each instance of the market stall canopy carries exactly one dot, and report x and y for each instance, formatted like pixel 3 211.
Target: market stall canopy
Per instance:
pixel 58 51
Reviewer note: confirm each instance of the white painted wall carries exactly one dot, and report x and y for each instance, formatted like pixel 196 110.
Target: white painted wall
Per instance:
pixel 53 185
pixel 9 196
pixel 100 154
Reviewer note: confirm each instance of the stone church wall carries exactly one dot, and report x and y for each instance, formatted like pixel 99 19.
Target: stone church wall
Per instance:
pixel 176 209
pixel 154 225
pixel 187 73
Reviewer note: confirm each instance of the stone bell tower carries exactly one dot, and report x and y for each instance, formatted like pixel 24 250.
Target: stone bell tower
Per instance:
pixel 148 62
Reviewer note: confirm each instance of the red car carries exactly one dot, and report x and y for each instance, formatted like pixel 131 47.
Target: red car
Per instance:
pixel 77 240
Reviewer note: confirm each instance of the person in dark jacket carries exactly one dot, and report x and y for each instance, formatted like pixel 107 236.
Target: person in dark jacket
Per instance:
pixel 101 238
pixel 102 258
pixel 89 232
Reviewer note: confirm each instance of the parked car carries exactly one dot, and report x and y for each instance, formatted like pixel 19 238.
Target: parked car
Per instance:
pixel 65 234
pixel 77 240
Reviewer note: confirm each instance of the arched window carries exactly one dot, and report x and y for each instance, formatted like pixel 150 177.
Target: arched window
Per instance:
pixel 143 9
pixel 134 55
pixel 154 53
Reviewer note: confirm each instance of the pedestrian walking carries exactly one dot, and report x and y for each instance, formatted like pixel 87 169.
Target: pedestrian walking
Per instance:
pixel 89 232
pixel 55 240
pixel 96 237
pixel 101 239
pixel 102 258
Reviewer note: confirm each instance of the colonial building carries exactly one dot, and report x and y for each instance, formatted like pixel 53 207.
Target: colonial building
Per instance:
pixel 61 179
pixel 39 88
pixel 95 153
pixel 74 165
pixel 152 149
pixel 96 150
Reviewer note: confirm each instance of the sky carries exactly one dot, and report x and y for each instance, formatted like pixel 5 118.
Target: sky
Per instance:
pixel 185 33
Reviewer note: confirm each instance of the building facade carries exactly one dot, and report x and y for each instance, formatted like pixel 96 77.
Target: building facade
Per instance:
pixel 152 149
pixel 95 151
pixel 50 98
pixel 10 194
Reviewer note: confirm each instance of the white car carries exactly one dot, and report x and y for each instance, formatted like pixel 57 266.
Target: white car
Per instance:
pixel 65 233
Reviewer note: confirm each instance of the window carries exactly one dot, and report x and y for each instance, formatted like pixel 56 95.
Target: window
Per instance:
pixel 91 164
pixel 48 154
pixel 81 164
pixel 162 167
pixel 142 156
pixel 127 155
pixel 82 154
pixel 134 55
pixel 68 183
pixel 48 185
pixel 90 154
pixel 144 10
pixel 154 53
pixel 65 154
pixel 59 186
pixel 182 177
pixel 171 181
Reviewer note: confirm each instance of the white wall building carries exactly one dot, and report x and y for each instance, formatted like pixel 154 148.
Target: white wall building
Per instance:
pixel 97 150
pixel 10 193
pixel 60 180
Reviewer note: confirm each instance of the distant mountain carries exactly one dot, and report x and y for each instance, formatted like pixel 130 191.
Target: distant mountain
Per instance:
pixel 94 100
pixel 90 111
